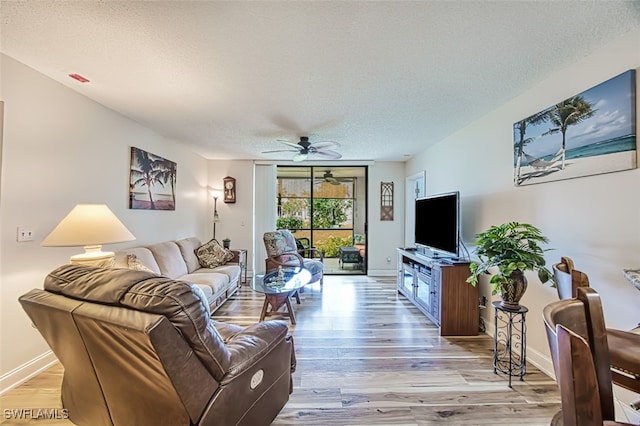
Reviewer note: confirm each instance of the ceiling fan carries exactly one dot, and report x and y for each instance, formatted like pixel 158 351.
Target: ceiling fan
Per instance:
pixel 328 177
pixel 305 149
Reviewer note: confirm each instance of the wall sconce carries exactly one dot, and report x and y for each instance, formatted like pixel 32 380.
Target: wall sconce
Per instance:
pixel 89 225
pixel 215 193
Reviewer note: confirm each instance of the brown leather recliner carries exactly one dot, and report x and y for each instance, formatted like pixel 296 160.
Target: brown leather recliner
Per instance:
pixel 141 349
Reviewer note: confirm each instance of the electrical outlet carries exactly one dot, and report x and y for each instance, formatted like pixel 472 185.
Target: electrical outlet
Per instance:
pixel 25 233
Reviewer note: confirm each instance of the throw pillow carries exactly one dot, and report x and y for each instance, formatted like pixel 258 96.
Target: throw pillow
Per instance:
pixel 134 263
pixel 212 254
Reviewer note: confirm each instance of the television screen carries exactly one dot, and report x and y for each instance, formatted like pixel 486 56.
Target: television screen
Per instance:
pixel 437 223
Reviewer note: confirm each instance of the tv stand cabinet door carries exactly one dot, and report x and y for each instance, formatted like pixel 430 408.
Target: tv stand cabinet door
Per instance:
pixel 459 311
pixel 426 297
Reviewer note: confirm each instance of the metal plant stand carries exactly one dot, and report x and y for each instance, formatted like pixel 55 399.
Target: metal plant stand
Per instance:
pixel 509 341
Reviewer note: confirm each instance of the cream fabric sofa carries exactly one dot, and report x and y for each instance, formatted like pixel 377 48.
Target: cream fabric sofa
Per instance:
pixel 177 260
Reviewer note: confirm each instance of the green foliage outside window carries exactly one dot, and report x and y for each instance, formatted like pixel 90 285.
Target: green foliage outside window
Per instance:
pixel 291 223
pixel 331 246
pixel 294 206
pixel 329 212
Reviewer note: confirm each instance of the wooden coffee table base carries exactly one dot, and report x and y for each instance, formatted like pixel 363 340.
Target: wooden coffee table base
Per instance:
pixel 276 301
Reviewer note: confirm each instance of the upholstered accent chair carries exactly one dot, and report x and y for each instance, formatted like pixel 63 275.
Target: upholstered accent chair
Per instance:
pixel 282 251
pixel 141 349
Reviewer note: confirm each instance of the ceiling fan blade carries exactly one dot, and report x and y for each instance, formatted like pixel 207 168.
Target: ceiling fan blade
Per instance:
pixel 300 157
pixel 280 150
pixel 325 144
pixel 291 144
pixel 327 153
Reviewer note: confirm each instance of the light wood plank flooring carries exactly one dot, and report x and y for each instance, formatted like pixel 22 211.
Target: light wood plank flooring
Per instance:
pixel 366 356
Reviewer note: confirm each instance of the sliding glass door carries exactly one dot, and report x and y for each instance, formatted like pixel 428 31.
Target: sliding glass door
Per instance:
pixel 325 207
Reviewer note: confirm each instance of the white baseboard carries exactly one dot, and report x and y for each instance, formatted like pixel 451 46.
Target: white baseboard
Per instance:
pixel 21 374
pixel 542 362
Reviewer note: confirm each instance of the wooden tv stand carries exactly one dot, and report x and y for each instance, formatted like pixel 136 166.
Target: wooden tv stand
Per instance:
pixel 440 291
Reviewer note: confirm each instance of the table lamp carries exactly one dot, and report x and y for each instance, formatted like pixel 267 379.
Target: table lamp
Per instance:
pixel 89 225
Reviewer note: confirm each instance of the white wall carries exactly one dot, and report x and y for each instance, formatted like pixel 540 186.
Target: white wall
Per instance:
pixel 595 220
pixel 384 237
pixel 61 149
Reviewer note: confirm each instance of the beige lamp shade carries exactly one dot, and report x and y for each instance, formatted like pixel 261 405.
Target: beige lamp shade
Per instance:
pixel 89 225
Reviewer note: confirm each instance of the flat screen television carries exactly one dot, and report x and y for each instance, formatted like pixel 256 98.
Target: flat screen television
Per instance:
pixel 437 225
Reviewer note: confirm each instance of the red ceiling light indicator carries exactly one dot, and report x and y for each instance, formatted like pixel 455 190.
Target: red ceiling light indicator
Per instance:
pixel 80 78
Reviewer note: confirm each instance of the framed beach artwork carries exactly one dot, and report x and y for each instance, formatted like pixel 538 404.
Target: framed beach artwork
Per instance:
pixel 152 184
pixel 588 134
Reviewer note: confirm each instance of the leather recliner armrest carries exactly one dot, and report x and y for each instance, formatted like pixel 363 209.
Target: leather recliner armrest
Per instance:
pixel 253 344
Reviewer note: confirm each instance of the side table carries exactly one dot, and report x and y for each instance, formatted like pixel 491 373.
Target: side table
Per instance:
pixel 240 257
pixel 510 341
pixel 349 255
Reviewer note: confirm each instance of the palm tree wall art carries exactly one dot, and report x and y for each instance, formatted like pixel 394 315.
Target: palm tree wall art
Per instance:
pixel 590 133
pixel 152 182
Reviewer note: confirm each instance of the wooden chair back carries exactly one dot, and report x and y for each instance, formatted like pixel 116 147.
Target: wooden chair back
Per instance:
pixel 568 279
pixel 577 380
pixel 584 317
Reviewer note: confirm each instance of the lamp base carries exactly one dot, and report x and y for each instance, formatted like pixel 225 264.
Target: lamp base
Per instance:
pixel 94 256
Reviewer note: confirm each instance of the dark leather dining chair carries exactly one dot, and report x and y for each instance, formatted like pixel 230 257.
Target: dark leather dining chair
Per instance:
pixel 578 342
pixel 624 346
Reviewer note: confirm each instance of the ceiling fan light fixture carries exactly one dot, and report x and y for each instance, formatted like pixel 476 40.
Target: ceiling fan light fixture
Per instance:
pixel 300 157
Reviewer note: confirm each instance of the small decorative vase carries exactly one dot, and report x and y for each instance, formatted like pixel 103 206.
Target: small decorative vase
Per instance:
pixel 226 243
pixel 512 291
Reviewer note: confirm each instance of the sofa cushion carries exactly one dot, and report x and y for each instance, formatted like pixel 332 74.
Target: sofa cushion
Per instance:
pixel 169 259
pixel 212 254
pixel 142 254
pixel 231 271
pixel 188 248
pixel 213 281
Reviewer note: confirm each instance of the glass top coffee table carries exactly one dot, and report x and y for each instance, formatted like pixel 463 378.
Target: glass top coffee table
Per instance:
pixel 278 286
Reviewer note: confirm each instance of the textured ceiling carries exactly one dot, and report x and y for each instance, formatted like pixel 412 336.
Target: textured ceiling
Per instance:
pixel 384 79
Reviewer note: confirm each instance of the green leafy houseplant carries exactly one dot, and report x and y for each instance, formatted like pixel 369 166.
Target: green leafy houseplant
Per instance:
pixel 512 248
pixel 226 243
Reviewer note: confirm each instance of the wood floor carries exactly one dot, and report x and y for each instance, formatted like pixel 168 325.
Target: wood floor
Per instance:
pixel 368 357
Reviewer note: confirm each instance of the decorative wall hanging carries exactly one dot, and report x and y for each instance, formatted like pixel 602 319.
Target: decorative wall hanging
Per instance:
pixel 386 200
pixel 152 182
pixel 229 190
pixel 590 133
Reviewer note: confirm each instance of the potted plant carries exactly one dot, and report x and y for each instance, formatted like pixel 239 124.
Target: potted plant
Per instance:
pixel 512 248
pixel 226 243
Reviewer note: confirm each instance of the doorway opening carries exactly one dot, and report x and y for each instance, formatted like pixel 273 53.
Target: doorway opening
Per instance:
pixel 326 207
